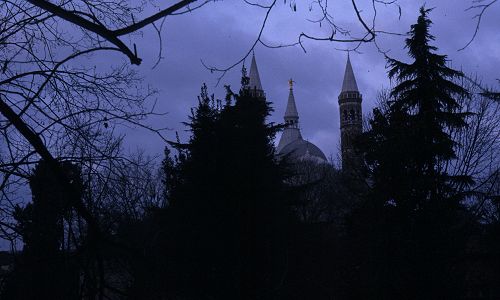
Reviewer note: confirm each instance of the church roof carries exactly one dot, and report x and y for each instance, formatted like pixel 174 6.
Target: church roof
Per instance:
pixel 349 84
pixel 254 82
pixel 303 150
pixel 291 108
pixel 291 141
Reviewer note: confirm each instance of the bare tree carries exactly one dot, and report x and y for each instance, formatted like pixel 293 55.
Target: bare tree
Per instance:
pixel 477 148
pixel 50 99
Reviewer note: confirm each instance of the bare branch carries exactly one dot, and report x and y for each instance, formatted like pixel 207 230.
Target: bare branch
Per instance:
pixel 479 16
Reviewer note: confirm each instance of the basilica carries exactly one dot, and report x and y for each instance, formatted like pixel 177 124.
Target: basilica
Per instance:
pixel 292 143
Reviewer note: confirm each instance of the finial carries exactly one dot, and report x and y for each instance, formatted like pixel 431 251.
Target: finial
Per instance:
pixel 290 83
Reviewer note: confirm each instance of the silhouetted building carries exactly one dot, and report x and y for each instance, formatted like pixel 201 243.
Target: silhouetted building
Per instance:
pixel 294 145
pixel 351 122
pixel 291 142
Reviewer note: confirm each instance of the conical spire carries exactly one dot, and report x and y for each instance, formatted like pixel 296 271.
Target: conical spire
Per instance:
pixel 254 82
pixel 291 108
pixel 291 133
pixel 349 84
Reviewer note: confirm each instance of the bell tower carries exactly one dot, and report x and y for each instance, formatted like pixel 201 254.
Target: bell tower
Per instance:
pixel 350 117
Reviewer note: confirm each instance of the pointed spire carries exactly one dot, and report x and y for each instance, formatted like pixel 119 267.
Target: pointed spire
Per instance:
pixel 254 82
pixel 291 133
pixel 291 108
pixel 349 84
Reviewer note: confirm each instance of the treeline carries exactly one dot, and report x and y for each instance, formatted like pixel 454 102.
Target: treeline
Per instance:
pixel 418 217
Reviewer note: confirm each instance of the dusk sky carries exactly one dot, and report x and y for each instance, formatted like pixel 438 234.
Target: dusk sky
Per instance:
pixel 221 33
pixel 92 91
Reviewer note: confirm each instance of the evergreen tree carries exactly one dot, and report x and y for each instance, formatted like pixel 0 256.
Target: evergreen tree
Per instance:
pixel 425 105
pixel 227 214
pixel 412 228
pixel 409 143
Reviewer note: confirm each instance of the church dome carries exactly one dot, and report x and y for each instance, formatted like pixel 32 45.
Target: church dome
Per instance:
pixel 303 150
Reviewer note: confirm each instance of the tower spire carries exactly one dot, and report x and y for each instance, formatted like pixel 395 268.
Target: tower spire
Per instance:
pixel 254 79
pixel 349 84
pixel 292 130
pixel 291 108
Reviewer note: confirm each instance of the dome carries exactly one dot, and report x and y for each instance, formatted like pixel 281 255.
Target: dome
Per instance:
pixel 303 150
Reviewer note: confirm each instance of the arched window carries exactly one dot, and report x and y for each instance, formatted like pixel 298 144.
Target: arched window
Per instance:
pixel 345 115
pixel 351 115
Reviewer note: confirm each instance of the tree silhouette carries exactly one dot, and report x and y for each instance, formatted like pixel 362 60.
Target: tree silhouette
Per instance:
pixel 413 228
pixel 223 233
pixel 423 105
pixel 43 266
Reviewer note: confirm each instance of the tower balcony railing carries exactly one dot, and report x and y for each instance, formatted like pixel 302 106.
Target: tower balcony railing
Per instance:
pixel 350 95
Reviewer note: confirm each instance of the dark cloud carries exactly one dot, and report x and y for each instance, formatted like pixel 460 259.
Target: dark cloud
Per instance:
pixel 220 34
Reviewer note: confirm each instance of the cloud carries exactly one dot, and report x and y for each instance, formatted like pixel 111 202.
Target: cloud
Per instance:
pixel 220 34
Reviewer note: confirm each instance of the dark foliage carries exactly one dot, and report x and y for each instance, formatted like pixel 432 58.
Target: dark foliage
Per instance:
pixel 43 270
pixel 410 235
pixel 410 143
pixel 225 226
